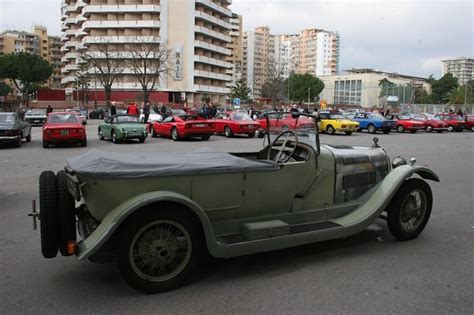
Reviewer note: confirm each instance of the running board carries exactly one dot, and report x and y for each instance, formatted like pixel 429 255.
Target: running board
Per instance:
pixel 273 230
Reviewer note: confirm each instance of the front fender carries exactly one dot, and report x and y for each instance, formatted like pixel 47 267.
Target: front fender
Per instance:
pixel 377 199
pixel 115 217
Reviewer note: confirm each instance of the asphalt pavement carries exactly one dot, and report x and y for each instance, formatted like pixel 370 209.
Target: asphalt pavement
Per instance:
pixel 369 273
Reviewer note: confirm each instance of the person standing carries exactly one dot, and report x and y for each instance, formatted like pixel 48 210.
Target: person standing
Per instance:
pixel 132 109
pixel 49 110
pixel 146 112
pixel 113 109
pixel 251 111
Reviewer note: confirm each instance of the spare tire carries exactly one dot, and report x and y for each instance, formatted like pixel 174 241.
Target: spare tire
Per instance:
pixel 49 217
pixel 67 219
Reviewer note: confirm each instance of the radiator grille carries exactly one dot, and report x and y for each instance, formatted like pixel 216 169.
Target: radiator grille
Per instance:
pixel 360 179
pixel 347 160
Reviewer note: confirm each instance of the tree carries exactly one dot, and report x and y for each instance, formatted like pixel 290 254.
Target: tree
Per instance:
pixel 107 62
pixel 442 87
pixel 148 62
pixel 4 89
pixel 26 71
pixel 422 97
pixel 240 90
pixel 274 88
pixel 83 77
pixel 303 85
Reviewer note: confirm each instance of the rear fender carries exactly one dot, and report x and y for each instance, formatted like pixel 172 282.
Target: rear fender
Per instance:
pixel 115 217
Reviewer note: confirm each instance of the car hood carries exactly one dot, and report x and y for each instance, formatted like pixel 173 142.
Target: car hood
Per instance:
pixel 35 116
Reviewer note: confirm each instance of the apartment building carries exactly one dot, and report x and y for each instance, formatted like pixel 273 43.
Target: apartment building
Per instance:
pixel 259 59
pixel 315 51
pixel 283 53
pixel 196 33
pixel 461 68
pixel 37 42
pixel 236 49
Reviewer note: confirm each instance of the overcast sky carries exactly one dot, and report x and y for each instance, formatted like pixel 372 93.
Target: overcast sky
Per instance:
pixel 406 36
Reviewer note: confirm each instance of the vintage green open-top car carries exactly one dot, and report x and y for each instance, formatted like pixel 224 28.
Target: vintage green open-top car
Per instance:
pixel 158 215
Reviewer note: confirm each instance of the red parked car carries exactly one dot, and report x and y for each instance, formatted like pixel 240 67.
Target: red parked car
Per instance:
pixel 285 121
pixel 469 122
pixel 185 126
pixel 406 122
pixel 62 128
pixel 432 123
pixel 454 121
pixel 232 123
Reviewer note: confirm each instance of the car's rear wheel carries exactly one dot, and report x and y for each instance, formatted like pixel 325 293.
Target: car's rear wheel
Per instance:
pixel 45 144
pixel 371 128
pixel 330 130
pixel 67 218
pixel 101 134
pixel 228 132
pixel 158 250
pixel 141 139
pixel 348 133
pixel 18 141
pixel 429 128
pixel 472 128
pixel 205 138
pixel 400 129
pixel 49 215
pixel 84 143
pixel 410 209
pixel 174 134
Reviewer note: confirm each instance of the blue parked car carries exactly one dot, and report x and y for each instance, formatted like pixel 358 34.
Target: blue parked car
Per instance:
pixel 373 122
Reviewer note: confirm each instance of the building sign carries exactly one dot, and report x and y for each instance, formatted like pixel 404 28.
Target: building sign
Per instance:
pixel 392 98
pixel 178 62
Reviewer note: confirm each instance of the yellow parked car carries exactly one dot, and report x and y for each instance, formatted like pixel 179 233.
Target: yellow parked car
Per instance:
pixel 332 123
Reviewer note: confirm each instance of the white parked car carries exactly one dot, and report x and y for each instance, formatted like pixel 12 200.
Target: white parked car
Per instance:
pixel 35 117
pixel 154 116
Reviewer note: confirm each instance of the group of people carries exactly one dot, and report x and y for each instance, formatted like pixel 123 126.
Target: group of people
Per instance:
pixel 207 111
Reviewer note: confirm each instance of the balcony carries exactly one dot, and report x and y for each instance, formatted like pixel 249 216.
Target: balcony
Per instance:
pixel 213 19
pixel 215 6
pixel 70 44
pixel 212 89
pixel 70 56
pixel 70 32
pixel 68 79
pixel 64 49
pixel 212 61
pixel 212 75
pixel 120 39
pixel 139 8
pixel 121 24
pixel 212 47
pixel 211 33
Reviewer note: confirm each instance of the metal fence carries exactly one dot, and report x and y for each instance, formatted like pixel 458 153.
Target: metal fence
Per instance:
pixel 435 108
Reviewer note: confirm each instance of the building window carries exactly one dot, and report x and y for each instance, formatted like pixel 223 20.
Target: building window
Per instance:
pixel 348 92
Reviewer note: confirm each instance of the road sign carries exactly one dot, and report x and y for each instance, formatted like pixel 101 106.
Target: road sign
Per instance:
pixel 323 104
pixel 236 102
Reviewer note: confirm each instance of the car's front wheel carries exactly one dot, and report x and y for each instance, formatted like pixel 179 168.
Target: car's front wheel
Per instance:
pixel 400 129
pixel 410 209
pixel 101 134
pixel 158 250
pixel 429 128
pixel 114 137
pixel 330 130
pixel 450 128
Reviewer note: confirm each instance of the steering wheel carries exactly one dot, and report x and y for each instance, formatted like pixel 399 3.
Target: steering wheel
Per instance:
pixel 284 146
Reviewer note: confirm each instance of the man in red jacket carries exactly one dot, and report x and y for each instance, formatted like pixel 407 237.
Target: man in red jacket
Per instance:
pixel 132 109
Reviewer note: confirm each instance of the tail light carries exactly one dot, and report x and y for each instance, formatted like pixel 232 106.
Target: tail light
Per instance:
pixel 186 126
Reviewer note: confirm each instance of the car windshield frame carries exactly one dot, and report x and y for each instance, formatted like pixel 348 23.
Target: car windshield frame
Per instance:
pixel 127 119
pixel 69 118
pixel 240 116
pixel 309 136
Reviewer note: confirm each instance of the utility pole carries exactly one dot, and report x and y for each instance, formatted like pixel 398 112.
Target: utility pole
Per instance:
pixel 309 95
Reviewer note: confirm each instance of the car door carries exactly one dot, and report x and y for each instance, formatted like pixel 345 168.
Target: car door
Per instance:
pixel 164 127
pixel 107 127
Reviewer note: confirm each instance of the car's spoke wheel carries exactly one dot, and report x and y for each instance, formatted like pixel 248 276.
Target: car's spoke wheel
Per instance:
pixel 228 132
pixel 330 130
pixel 101 134
pixel 49 215
pixel 371 129
pixel 174 134
pixel 450 129
pixel 67 219
pixel 159 249
pixel 429 129
pixel 410 209
pixel 400 129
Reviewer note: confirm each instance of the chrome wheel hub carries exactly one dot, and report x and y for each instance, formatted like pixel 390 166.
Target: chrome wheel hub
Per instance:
pixel 413 210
